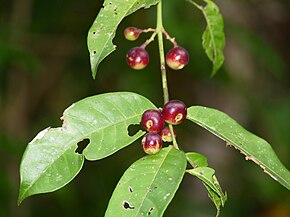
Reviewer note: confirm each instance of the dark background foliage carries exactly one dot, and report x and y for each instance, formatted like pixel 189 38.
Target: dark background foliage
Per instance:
pixel 44 67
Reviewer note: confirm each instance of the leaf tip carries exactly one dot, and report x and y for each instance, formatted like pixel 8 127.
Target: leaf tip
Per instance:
pixel 20 198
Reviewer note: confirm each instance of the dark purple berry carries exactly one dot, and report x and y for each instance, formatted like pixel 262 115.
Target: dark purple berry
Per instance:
pixel 166 134
pixel 151 143
pixel 177 58
pixel 132 33
pixel 152 120
pixel 174 112
pixel 137 58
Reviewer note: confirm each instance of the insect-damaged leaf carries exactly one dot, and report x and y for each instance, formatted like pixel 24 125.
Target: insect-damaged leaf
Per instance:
pixel 148 185
pixel 50 160
pixel 255 148
pixel 103 30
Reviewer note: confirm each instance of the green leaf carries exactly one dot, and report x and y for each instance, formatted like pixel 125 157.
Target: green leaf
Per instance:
pixel 103 30
pixel 218 202
pixel 196 159
pixel 255 148
pixel 213 38
pixel 148 185
pixel 50 160
pixel 206 175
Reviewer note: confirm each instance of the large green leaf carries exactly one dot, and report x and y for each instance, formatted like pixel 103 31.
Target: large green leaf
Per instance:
pixel 255 148
pixel 213 38
pixel 148 185
pixel 50 160
pixel 103 30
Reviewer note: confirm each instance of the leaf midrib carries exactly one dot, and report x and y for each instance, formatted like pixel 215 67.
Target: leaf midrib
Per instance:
pixel 154 177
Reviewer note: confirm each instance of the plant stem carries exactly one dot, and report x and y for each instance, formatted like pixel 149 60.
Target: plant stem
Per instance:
pixel 159 30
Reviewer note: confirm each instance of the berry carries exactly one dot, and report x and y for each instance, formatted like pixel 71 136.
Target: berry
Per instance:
pixel 137 58
pixel 166 134
pixel 132 33
pixel 177 58
pixel 152 120
pixel 151 143
pixel 174 112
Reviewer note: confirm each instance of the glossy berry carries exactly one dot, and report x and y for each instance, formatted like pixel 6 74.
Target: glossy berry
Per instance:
pixel 132 33
pixel 177 58
pixel 137 58
pixel 166 134
pixel 152 120
pixel 151 143
pixel 174 112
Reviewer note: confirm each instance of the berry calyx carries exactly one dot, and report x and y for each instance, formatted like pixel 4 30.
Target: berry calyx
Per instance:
pixel 152 120
pixel 151 143
pixel 166 134
pixel 137 58
pixel 174 112
pixel 177 58
pixel 132 33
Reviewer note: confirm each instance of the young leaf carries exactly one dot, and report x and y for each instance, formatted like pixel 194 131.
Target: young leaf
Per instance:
pixel 148 185
pixel 50 160
pixel 196 159
pixel 255 148
pixel 209 180
pixel 213 38
pixel 215 198
pixel 103 30
pixel 206 175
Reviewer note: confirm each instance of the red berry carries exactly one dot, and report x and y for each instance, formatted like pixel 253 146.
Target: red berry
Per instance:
pixel 137 58
pixel 177 58
pixel 132 33
pixel 166 134
pixel 152 120
pixel 174 112
pixel 151 143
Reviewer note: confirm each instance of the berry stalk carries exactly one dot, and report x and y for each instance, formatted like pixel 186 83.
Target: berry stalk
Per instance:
pixel 160 30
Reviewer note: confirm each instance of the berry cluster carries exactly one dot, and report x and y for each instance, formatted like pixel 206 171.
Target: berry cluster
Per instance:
pixel 174 112
pixel 138 58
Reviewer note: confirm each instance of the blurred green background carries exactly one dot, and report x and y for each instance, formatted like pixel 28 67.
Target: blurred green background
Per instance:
pixel 44 67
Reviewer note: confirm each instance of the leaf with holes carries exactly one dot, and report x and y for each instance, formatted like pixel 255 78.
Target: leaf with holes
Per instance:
pixel 50 160
pixel 213 38
pixel 255 148
pixel 148 185
pixel 103 30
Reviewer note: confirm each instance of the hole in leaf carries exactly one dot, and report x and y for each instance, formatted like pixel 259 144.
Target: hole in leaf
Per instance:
pixel 133 129
pixel 150 211
pixel 82 145
pixel 126 205
pixel 130 189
